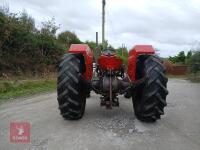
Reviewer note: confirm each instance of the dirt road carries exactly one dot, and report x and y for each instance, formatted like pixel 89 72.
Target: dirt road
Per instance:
pixel 118 129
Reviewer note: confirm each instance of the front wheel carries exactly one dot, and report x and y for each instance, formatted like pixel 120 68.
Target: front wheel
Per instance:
pixel 149 99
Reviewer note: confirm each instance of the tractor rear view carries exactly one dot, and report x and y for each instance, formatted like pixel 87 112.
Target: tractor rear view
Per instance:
pixel 143 80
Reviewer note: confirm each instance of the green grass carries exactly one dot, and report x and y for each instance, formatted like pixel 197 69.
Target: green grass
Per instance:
pixel 19 88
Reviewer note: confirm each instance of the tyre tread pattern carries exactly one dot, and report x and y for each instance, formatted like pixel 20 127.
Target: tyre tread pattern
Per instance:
pixel 153 99
pixel 70 98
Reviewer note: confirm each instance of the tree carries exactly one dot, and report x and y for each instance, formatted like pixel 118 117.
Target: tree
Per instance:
pixel 49 28
pixel 189 54
pixel 91 44
pixel 67 38
pixel 194 62
pixel 180 58
pixel 123 54
pixel 25 48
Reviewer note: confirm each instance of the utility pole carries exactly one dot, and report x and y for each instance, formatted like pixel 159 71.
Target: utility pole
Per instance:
pixel 103 23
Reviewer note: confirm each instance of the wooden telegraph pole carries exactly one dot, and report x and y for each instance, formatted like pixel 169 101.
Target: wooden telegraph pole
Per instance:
pixel 103 23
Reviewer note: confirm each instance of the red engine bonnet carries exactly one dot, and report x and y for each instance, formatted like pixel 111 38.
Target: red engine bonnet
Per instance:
pixel 109 62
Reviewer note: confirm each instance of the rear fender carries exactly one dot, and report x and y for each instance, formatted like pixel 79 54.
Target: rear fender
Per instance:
pixel 84 54
pixel 133 55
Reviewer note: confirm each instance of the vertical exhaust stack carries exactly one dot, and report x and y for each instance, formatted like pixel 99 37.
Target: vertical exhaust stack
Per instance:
pixel 97 51
pixel 97 39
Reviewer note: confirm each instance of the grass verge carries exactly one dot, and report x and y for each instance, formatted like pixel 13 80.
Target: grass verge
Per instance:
pixel 194 78
pixel 191 77
pixel 177 76
pixel 18 88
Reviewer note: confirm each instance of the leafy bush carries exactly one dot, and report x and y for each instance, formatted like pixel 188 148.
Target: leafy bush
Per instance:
pixel 123 54
pixel 26 49
pixel 180 58
pixel 194 62
pixel 23 47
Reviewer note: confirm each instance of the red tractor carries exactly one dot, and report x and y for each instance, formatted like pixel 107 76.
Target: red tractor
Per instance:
pixel 143 80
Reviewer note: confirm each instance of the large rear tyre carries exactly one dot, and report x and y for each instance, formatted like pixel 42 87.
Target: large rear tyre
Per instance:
pixel 71 97
pixel 149 99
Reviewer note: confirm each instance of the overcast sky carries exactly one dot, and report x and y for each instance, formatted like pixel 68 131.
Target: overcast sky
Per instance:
pixel 169 25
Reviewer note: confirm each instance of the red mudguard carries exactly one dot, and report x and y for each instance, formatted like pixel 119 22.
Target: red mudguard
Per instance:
pixel 85 50
pixel 132 58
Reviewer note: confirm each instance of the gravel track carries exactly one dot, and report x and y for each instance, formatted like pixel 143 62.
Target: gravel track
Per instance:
pixel 179 128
